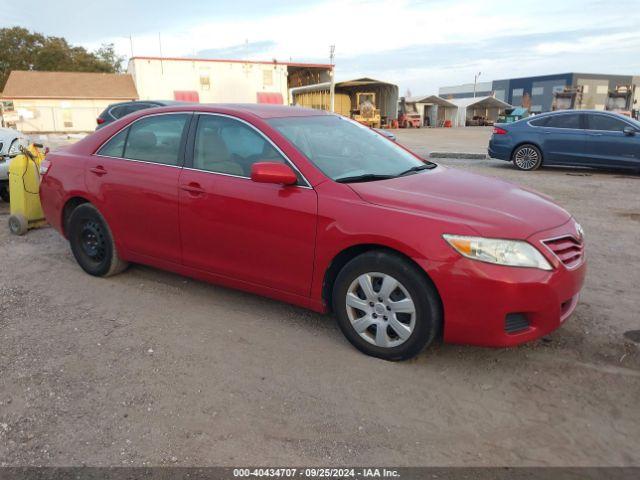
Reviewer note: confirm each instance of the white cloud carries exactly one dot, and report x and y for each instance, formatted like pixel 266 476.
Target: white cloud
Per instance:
pixel 361 28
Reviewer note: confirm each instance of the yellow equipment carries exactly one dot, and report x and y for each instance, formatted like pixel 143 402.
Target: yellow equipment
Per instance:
pixel 366 111
pixel 24 186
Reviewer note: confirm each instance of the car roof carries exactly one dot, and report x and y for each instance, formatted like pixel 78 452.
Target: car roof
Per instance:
pixel 259 110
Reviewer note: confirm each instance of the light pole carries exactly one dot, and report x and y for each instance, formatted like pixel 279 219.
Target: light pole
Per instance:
pixel 332 88
pixel 475 82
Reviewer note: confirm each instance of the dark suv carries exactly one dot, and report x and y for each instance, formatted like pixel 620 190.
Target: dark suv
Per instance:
pixel 116 111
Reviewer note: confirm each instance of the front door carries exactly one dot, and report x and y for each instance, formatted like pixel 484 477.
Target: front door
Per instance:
pixel 609 145
pixel 231 226
pixel 134 178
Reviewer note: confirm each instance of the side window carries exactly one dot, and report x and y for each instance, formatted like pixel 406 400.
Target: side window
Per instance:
pixel 225 145
pixel 539 122
pixel 156 139
pixel 564 121
pixel 605 122
pixel 115 146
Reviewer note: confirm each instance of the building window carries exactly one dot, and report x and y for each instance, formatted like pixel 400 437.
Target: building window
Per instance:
pixel 500 94
pixel 602 89
pixel 517 92
pixel 267 78
pixel 205 83
pixel 536 108
pixel 537 91
pixel 557 88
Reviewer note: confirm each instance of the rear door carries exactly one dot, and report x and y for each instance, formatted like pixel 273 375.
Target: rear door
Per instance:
pixel 134 178
pixel 609 146
pixel 564 139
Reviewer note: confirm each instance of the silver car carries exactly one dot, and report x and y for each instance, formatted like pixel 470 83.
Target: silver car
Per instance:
pixel 10 142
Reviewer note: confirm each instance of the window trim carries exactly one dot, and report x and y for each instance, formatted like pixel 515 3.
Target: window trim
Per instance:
pixel 181 149
pixel 190 148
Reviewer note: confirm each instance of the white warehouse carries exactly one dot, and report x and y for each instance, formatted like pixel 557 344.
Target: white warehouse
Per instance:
pixel 222 81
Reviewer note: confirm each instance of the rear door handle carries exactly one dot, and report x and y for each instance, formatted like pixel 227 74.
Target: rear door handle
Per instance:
pixel 99 170
pixel 193 188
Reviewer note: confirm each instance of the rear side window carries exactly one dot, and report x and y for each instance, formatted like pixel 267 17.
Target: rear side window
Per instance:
pixel 564 121
pixel 605 122
pixel 156 139
pixel 115 146
pixel 539 122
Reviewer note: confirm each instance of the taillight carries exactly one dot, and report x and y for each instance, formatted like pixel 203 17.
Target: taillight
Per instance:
pixel 45 165
pixel 499 131
pixel 99 121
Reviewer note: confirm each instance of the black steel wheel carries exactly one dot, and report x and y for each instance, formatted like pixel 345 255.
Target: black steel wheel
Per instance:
pixel 92 242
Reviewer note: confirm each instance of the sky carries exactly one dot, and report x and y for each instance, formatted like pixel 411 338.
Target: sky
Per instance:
pixel 419 45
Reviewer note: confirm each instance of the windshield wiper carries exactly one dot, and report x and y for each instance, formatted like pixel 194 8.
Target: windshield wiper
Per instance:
pixel 426 166
pixel 367 177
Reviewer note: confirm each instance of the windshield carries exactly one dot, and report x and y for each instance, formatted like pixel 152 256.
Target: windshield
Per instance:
pixel 345 150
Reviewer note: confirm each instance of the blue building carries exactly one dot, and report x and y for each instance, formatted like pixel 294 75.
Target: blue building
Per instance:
pixel 583 91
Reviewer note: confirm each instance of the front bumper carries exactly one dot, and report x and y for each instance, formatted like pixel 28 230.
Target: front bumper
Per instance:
pixel 478 298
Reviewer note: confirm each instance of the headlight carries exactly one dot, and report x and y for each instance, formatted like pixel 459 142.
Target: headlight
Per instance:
pixel 514 253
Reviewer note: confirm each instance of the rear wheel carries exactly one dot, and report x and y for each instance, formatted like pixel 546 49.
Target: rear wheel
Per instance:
pixel 92 242
pixel 527 157
pixel 385 306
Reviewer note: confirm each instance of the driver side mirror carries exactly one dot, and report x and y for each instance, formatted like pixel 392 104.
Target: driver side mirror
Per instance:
pixel 629 131
pixel 272 172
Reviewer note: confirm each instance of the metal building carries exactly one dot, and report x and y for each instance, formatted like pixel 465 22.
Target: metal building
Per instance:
pixel 564 90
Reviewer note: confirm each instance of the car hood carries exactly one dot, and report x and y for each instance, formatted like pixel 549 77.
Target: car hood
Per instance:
pixel 491 207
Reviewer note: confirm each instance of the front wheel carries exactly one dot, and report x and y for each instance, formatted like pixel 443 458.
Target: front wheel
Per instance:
pixel 92 242
pixel 385 306
pixel 527 157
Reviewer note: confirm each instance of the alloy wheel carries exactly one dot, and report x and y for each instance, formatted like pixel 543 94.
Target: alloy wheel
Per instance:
pixel 380 309
pixel 527 158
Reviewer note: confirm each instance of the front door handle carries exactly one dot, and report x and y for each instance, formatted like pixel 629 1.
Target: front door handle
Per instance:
pixel 99 170
pixel 193 188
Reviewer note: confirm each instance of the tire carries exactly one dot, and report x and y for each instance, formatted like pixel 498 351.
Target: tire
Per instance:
pixel 405 334
pixel 527 157
pixel 18 224
pixel 92 242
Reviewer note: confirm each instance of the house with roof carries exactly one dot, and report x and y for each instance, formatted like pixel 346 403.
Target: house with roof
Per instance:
pixel 66 102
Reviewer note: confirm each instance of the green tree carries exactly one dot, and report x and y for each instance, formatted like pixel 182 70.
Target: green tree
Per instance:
pixel 21 49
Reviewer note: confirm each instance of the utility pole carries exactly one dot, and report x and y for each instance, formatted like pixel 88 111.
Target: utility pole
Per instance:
pixel 475 81
pixel 332 89
pixel 160 45
pixel 131 44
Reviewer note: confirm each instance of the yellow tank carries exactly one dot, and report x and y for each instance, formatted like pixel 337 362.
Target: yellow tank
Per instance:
pixel 24 186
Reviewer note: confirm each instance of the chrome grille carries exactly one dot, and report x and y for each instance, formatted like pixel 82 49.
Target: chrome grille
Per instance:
pixel 568 249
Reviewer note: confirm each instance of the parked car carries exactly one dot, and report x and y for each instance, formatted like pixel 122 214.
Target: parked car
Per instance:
pixel 10 142
pixel 116 111
pixel 586 138
pixel 317 210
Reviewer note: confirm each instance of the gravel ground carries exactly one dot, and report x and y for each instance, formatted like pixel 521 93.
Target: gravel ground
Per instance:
pixel 150 368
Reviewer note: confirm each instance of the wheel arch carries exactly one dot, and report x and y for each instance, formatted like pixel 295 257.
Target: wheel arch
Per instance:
pixel 527 142
pixel 347 254
pixel 69 206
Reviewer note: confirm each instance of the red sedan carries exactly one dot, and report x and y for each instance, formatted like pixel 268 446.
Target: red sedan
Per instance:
pixel 316 210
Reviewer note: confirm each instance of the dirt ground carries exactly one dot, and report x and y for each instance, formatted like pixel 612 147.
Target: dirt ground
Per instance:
pixel 150 368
